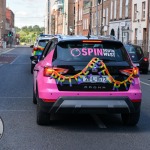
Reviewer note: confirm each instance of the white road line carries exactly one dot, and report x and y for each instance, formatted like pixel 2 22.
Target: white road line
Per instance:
pixel 16 110
pixel 145 83
pixel 14 60
pixel 17 97
pixel 98 122
pixel 8 50
pixel 1 127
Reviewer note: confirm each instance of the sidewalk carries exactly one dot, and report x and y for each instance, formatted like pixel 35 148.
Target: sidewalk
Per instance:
pixel 4 50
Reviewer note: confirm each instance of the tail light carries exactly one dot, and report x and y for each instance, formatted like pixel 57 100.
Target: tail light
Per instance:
pixel 128 72
pixel 145 59
pixel 48 71
pixel 49 100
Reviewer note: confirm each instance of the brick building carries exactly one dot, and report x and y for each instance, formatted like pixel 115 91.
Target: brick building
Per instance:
pixel 2 17
pixel 63 17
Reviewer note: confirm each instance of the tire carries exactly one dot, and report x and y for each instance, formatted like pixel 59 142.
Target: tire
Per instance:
pixel 32 67
pixel 43 118
pixel 145 71
pixel 34 98
pixel 130 119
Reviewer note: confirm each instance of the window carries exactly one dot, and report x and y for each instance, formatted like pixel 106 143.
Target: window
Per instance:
pixel 100 17
pixel 143 10
pixel 135 52
pixel 120 8
pixel 135 12
pixel 126 8
pixel 106 16
pixel 135 38
pixel 115 7
pixel 87 23
pixel 43 42
pixel 111 9
pixel 78 51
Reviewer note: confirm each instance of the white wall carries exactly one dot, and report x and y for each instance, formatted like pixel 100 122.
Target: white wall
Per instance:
pixel 139 23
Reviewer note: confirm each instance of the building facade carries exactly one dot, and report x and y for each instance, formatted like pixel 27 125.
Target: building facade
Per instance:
pixel 63 17
pixel 120 24
pixel 140 23
pixel 2 18
pixel 48 17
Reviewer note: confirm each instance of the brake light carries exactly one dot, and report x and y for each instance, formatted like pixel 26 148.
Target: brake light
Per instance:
pixel 49 70
pixel 128 72
pixel 136 100
pixel 91 41
pixel 49 100
pixel 145 59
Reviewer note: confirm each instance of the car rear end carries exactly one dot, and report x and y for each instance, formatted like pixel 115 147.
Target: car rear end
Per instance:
pixel 89 76
pixel 137 55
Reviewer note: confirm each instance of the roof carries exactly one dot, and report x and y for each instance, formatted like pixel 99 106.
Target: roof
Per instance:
pixel 81 37
pixel 73 37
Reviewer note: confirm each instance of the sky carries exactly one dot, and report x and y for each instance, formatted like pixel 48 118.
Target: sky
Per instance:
pixel 28 12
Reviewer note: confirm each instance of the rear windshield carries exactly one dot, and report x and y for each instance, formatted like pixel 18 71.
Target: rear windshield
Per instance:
pixel 135 52
pixel 84 52
pixel 43 43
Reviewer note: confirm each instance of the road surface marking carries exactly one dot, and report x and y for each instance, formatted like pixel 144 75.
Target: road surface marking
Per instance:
pixel 1 127
pixel 145 83
pixel 16 97
pixel 8 51
pixel 98 122
pixel 15 110
pixel 14 60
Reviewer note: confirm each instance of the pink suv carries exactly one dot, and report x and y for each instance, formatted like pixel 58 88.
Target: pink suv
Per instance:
pixel 81 75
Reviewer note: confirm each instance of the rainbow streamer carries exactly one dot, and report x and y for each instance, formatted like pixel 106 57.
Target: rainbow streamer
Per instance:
pixel 95 63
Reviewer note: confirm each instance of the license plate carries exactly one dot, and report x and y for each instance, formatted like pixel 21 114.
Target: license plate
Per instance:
pixel 95 79
pixel 136 64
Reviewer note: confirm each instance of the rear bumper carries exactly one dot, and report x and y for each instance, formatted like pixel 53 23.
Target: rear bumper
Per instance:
pixel 92 105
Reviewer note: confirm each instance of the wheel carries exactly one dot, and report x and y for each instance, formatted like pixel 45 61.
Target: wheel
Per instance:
pixel 34 97
pixel 130 119
pixel 32 67
pixel 43 118
pixel 145 71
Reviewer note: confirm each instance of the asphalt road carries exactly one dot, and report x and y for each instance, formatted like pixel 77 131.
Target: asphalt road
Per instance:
pixel 69 132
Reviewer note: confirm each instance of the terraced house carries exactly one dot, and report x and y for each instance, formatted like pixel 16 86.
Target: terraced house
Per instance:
pixel 127 20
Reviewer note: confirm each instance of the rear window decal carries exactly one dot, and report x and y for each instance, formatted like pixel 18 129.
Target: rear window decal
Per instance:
pixel 76 52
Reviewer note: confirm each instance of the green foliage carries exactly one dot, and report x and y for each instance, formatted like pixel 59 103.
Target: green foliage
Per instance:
pixel 28 34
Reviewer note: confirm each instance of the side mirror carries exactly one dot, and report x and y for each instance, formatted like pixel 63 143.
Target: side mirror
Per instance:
pixel 35 59
pixel 31 46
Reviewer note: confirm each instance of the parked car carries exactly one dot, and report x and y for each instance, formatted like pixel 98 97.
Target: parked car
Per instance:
pixel 81 75
pixel 138 58
pixel 38 48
